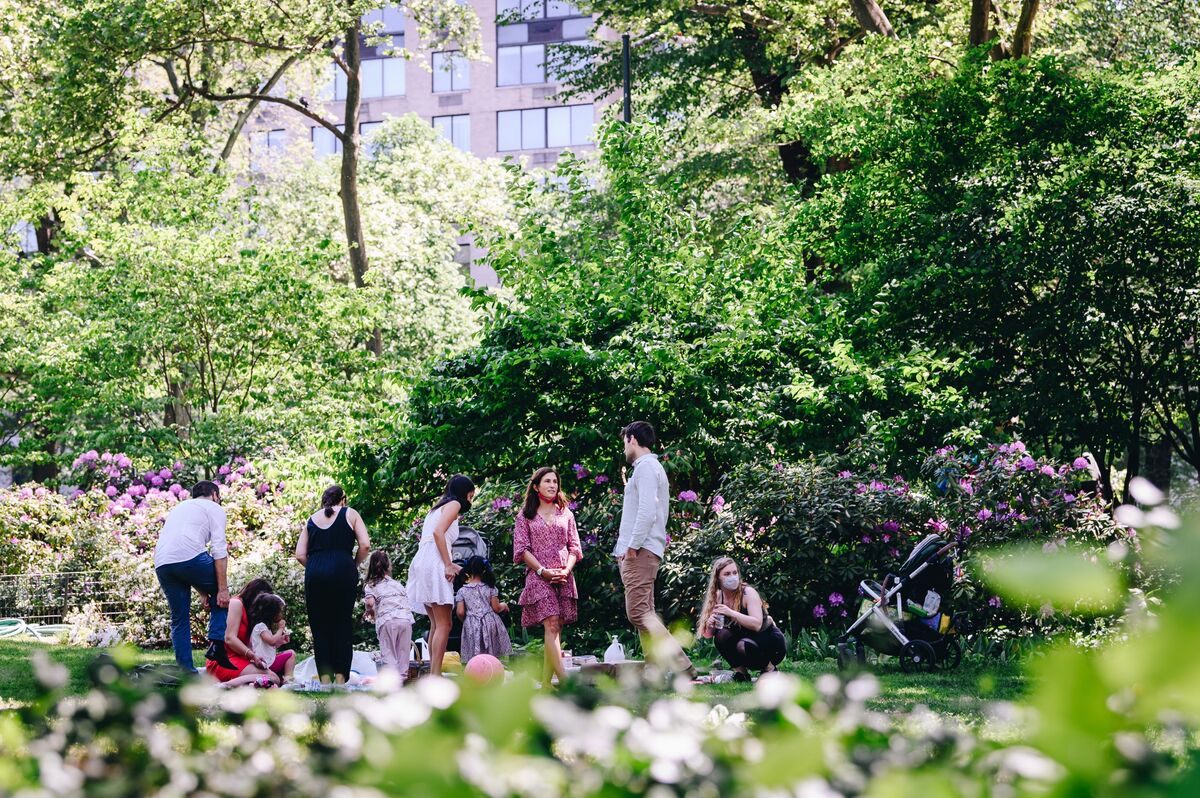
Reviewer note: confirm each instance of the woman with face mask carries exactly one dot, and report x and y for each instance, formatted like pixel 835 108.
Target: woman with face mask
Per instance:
pixel 734 616
pixel 546 542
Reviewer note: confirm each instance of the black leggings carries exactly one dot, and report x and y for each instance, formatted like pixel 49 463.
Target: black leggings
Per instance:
pixel 753 650
pixel 330 588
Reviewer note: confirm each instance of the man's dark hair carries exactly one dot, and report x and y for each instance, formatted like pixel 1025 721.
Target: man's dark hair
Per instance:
pixel 642 432
pixel 205 488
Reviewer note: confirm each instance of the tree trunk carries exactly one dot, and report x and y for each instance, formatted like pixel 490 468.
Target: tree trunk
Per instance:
pixel 46 230
pixel 356 245
pixel 980 14
pixel 871 17
pixel 1023 36
pixel 1158 464
pixel 795 156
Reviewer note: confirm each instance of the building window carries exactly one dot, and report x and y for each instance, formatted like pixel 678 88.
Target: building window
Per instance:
pixel 27 234
pixel 390 19
pixel 324 142
pixel 543 128
pixel 534 9
pixel 262 141
pixel 456 128
pixel 379 77
pixel 451 72
pixel 522 65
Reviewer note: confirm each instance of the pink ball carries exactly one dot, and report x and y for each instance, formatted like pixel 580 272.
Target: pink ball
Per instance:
pixel 484 669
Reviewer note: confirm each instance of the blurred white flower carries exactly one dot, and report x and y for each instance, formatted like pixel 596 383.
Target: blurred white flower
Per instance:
pixel 1144 492
pixel 1129 515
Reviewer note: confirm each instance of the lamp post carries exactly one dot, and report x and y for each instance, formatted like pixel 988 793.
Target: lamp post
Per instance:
pixel 627 111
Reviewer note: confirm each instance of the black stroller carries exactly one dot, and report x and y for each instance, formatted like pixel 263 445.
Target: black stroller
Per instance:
pixel 910 615
pixel 469 544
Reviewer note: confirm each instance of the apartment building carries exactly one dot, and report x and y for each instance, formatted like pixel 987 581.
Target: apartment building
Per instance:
pixel 500 107
pixel 503 106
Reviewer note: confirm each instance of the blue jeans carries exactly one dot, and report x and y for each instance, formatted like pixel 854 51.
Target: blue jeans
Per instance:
pixel 177 580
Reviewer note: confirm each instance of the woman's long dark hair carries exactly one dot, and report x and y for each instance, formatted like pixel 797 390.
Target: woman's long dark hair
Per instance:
pixel 477 566
pixel 532 499
pixel 378 566
pixel 267 608
pixel 331 498
pixel 253 589
pixel 457 490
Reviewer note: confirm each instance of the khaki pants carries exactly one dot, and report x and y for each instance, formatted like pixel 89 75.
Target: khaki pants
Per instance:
pixel 395 644
pixel 638 575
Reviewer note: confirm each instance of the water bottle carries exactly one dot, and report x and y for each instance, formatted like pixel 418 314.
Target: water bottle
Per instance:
pixel 615 651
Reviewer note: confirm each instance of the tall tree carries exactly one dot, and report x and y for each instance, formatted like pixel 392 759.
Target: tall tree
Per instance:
pixel 83 79
pixel 744 53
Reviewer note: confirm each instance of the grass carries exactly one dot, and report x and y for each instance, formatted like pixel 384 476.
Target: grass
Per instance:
pixel 17 682
pixel 962 694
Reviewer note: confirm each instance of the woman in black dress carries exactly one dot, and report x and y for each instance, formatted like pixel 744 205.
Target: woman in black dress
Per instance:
pixel 326 550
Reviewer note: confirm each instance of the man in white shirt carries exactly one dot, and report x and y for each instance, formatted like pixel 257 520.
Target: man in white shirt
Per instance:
pixel 183 560
pixel 641 543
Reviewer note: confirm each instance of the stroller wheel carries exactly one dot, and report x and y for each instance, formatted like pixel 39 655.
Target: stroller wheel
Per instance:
pixel 949 653
pixel 860 653
pixel 917 655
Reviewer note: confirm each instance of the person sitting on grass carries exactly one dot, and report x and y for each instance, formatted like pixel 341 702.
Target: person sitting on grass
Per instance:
pixel 267 633
pixel 733 615
pixel 248 667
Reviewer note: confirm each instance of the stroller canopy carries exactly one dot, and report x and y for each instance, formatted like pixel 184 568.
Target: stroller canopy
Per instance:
pixel 922 553
pixel 469 544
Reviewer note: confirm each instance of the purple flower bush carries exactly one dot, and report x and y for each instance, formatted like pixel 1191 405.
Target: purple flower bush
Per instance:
pixel 110 522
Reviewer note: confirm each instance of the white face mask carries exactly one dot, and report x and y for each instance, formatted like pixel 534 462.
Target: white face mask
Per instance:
pixel 730 582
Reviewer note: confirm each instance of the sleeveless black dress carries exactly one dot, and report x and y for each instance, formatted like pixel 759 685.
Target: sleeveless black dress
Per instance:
pixel 330 590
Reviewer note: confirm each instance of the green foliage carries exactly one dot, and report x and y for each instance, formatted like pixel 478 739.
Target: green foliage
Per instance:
pixel 183 314
pixel 628 301
pixel 1037 222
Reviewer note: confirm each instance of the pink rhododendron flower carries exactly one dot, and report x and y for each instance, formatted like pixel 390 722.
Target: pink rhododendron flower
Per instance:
pixel 1048 471
pixel 111 491
pixel 835 599
pixel 688 496
pixel 819 611
pixel 601 479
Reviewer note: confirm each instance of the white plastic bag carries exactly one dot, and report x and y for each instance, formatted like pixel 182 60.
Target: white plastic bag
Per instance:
pixel 615 652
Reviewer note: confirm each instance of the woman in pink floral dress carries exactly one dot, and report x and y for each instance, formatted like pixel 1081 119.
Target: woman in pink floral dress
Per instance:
pixel 546 541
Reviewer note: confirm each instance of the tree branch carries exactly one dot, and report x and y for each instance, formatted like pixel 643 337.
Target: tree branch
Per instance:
pixel 248 111
pixel 295 106
pixel 750 18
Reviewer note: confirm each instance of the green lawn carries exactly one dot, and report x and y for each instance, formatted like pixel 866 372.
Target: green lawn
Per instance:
pixel 17 683
pixel 963 693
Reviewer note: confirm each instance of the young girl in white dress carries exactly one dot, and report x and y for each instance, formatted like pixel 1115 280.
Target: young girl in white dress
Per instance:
pixel 431 574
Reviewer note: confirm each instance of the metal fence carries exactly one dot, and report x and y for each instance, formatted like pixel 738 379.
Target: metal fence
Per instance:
pixel 50 597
